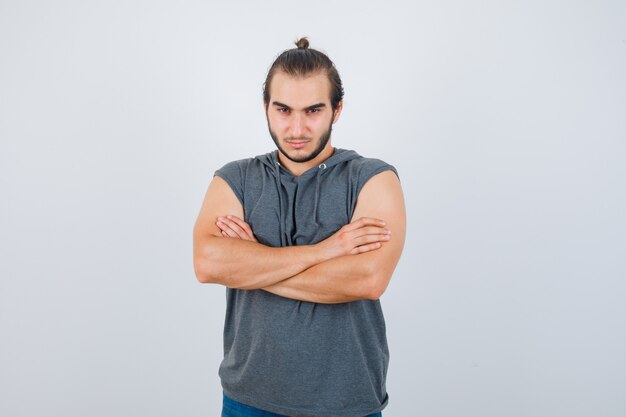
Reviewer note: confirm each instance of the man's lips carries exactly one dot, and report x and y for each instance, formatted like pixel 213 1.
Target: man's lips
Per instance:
pixel 297 144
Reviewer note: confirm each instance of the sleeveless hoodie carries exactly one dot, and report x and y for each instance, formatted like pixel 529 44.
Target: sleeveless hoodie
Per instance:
pixel 291 357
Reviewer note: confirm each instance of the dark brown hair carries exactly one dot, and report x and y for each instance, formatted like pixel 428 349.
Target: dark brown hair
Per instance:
pixel 302 61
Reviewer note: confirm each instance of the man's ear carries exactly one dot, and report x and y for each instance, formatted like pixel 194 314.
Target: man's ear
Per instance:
pixel 337 111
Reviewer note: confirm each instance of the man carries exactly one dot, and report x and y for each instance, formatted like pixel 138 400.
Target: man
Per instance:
pixel 305 239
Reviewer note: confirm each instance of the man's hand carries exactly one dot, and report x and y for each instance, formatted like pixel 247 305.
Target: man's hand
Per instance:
pixel 233 226
pixel 362 235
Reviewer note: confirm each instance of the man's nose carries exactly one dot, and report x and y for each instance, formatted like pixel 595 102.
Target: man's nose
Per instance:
pixel 298 127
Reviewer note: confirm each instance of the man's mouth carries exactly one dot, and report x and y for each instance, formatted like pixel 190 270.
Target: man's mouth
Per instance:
pixel 297 144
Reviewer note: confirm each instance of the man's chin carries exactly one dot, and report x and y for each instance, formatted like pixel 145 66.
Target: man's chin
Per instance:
pixel 293 158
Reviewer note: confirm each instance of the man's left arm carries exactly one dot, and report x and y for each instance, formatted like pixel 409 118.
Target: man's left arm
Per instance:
pixel 363 276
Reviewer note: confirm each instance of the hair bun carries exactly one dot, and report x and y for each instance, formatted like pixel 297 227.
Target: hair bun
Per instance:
pixel 302 43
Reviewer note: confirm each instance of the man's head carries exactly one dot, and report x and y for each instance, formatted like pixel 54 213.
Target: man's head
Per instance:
pixel 303 61
pixel 303 97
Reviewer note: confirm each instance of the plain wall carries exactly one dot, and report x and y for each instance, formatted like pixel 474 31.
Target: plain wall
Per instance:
pixel 505 120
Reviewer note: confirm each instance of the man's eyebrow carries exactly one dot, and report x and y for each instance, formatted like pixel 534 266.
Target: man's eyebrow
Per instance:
pixel 314 106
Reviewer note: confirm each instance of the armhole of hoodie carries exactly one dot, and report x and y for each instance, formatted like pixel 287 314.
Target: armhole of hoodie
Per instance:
pixel 369 168
pixel 233 174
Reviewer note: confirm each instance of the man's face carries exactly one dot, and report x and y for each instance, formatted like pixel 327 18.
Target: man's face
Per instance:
pixel 299 115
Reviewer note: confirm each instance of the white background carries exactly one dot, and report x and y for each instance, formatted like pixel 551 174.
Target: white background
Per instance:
pixel 506 121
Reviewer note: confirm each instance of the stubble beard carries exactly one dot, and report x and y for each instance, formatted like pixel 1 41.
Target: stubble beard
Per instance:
pixel 323 140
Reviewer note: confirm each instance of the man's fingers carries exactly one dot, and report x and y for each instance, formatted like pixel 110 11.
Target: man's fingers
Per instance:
pixel 365 235
pixel 227 231
pixel 364 240
pixel 364 231
pixel 234 226
pixel 230 229
pixel 245 226
pixel 366 221
pixel 363 222
pixel 366 248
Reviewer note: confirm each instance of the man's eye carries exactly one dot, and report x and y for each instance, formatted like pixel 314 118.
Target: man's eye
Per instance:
pixel 283 109
pixel 314 110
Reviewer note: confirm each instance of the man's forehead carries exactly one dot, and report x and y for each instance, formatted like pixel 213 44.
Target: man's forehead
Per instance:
pixel 300 91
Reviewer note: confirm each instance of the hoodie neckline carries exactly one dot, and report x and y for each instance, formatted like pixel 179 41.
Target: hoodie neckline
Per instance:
pixel 339 155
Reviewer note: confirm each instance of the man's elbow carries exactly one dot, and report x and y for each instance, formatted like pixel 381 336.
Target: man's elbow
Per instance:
pixel 201 269
pixel 375 292
pixel 204 273
pixel 377 284
pixel 205 266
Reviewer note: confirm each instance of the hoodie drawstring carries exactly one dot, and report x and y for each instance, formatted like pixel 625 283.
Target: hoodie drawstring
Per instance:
pixel 321 168
pixel 280 203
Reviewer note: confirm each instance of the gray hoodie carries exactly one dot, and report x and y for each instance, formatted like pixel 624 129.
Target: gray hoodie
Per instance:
pixel 293 357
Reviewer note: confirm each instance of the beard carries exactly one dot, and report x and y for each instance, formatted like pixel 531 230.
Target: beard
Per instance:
pixel 322 141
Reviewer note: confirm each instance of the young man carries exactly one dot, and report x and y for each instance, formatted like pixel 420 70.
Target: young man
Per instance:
pixel 305 239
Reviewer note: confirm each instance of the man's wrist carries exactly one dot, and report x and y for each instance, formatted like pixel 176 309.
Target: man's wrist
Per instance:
pixel 319 254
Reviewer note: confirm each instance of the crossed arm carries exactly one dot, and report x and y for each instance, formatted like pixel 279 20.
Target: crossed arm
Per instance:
pixel 355 263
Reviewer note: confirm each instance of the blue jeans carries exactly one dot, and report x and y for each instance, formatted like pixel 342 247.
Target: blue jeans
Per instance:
pixel 232 408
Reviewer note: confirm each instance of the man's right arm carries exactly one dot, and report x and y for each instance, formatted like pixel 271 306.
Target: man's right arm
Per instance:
pixel 245 264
